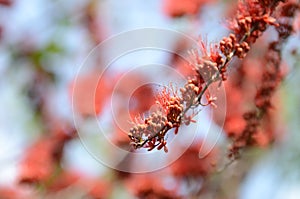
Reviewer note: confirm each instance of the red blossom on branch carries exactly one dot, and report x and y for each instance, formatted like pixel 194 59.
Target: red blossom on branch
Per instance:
pixel 209 64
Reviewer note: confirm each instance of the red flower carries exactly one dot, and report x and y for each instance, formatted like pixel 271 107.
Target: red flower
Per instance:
pixel 94 188
pixel 14 193
pixel 41 158
pixel 5 2
pixel 177 8
pixel 191 165
pixel 150 186
pixel 38 164
pixel 89 93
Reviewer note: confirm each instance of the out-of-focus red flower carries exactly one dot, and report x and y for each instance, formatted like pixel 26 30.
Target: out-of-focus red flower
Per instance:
pixel 262 138
pixel 38 163
pixel 94 188
pixel 235 101
pixel 11 193
pixel 97 189
pixel 179 59
pixel 192 164
pixel 139 97
pixel 177 8
pixel 234 124
pixel 150 186
pixel 240 91
pixel 62 133
pixel 141 100
pixel 89 93
pixel 41 158
pixel 6 2
pixel 120 138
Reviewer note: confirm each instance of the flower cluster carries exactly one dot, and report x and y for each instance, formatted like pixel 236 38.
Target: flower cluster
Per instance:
pixel 229 45
pixel 144 132
pixel 209 64
pixel 271 77
pixel 150 132
pixel 252 18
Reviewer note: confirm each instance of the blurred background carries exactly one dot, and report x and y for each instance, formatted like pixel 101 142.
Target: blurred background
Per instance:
pixel 43 46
